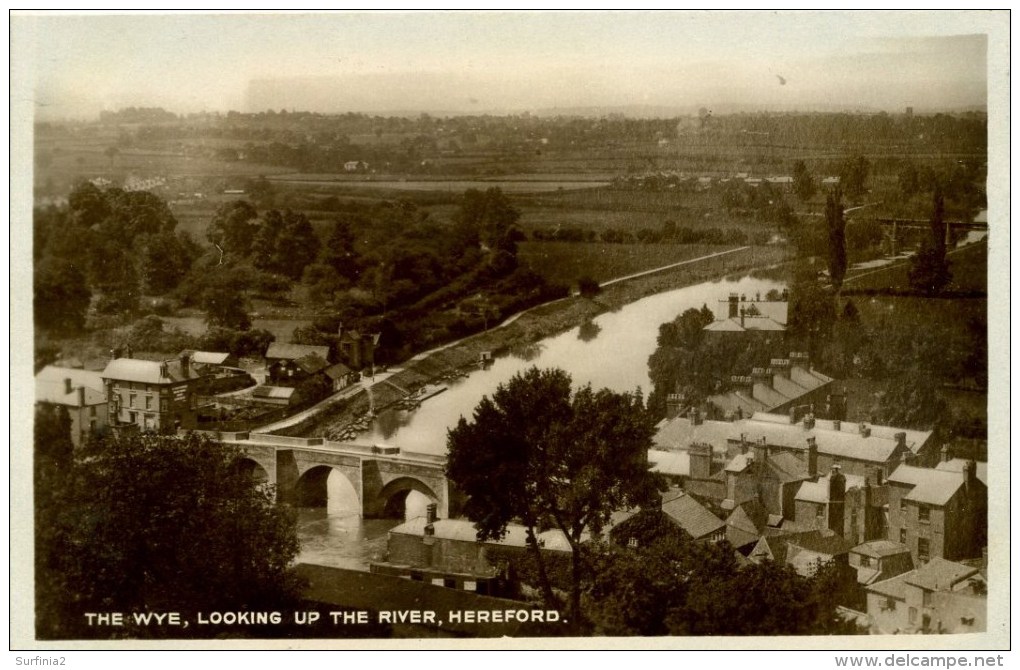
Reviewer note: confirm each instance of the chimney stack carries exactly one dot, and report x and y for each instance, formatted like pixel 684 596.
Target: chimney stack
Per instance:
pixel 743 443
pixel 876 474
pixel 674 401
pixel 128 351
pixel 946 454
pixel 431 513
pixel 836 425
pixel 901 439
pixel 164 370
pixel 969 473
pixel 864 430
pixel 81 396
pixel 837 499
pixel 742 317
pixel 812 458
pixel 701 460
pixel 809 421
pixel 781 366
pixel 761 451
pixel 793 415
pixel 185 365
pixel 733 306
pixel 696 418
pixel 67 386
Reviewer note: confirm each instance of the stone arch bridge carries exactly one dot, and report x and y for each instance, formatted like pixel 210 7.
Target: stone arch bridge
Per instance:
pixel 379 475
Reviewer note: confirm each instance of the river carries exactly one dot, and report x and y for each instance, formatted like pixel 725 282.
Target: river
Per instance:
pixel 612 351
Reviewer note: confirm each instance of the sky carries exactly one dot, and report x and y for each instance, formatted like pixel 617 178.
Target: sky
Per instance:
pixel 464 62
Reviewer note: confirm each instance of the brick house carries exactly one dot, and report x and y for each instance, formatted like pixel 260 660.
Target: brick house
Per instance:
pixel 151 395
pixel 938 597
pixel 290 364
pixel 81 393
pixel 938 513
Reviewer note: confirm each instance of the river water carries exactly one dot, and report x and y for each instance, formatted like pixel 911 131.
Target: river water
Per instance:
pixel 612 351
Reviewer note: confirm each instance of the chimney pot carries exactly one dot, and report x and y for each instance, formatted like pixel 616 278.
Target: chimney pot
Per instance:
pixel 81 396
pixel 836 425
pixel 67 385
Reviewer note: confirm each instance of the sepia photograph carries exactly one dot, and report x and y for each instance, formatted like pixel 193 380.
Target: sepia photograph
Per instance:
pixel 511 330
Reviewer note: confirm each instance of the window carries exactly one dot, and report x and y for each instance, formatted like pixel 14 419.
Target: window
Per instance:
pixel 131 400
pixel 912 615
pixel 926 598
pixel 92 410
pixel 923 549
pixel 903 535
pixel 903 506
pixel 632 543
pixel 132 417
pixel 148 402
pixel 923 513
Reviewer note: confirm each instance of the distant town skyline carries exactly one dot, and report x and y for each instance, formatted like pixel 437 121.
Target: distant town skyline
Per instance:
pixel 503 62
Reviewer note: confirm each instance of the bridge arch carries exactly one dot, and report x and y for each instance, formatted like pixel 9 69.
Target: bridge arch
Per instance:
pixel 329 487
pixel 405 497
pixel 249 466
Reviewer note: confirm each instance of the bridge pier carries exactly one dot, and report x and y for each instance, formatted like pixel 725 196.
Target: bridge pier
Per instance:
pixel 376 474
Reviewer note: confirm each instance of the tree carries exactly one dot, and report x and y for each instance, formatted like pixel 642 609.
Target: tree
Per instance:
pixel 224 303
pixel 929 270
pixel 803 184
pixel 588 287
pixel 837 238
pixel 263 248
pixel 296 246
pixel 150 523
pixel 489 218
pixel 853 174
pixel 232 226
pixel 339 252
pixel 537 453
pixel 61 296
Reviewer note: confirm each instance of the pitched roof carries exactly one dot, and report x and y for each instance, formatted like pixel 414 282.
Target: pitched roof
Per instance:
pixel 956 465
pixel 736 325
pixel 818 491
pixel 87 378
pixel 840 444
pixel 787 467
pixel 674 463
pixel 848 431
pixel 147 372
pixel 51 387
pixel 690 515
pixel 337 371
pixel 312 363
pixel 288 351
pixel 207 357
pixel 939 574
pixel 880 548
pixel 930 486
pixel 681 432
pixel 273 392
pixel 463 530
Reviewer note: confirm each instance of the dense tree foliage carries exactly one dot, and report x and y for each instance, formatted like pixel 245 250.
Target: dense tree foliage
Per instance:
pixel 545 456
pixel 652 579
pixel 929 269
pixel 836 226
pixel 803 183
pixel 111 243
pixel 149 523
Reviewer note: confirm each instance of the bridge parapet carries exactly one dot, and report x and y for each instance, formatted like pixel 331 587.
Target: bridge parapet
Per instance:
pixel 284 440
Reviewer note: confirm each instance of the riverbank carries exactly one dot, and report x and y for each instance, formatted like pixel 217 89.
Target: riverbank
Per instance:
pixel 532 326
